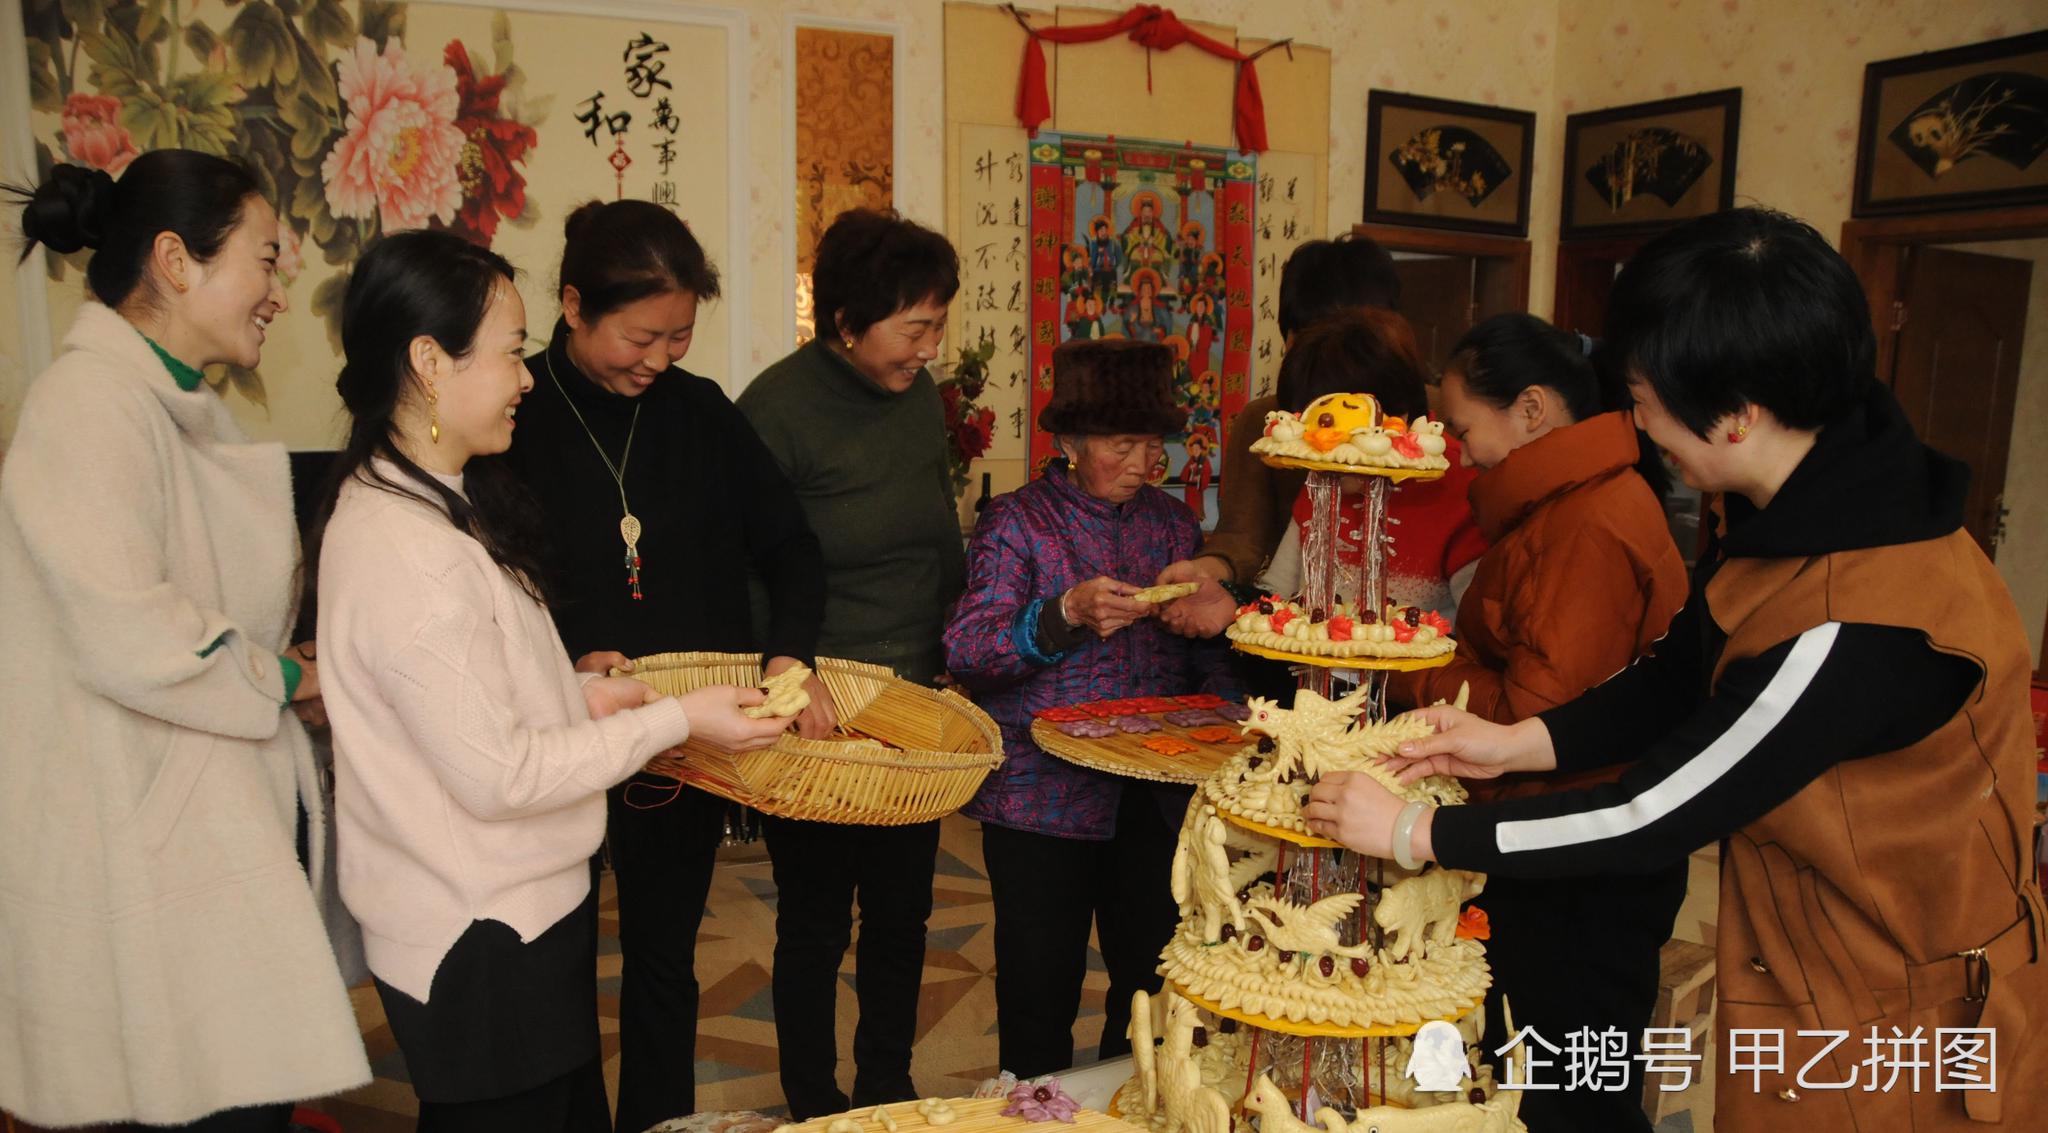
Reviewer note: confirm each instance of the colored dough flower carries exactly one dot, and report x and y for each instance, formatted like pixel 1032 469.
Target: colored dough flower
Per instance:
pixel 1041 1101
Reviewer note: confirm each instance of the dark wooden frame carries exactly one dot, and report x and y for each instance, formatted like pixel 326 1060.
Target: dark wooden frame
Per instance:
pixel 1877 74
pixel 1503 261
pixel 1377 101
pixel 1875 249
pixel 1729 101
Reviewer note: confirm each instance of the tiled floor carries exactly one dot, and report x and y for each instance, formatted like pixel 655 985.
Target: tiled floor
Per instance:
pixel 956 1017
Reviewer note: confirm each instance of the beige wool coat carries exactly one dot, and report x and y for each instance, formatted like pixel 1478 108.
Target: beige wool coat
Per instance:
pixel 161 953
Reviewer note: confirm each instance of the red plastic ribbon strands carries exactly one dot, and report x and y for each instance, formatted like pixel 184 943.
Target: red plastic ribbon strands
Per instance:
pixel 1155 29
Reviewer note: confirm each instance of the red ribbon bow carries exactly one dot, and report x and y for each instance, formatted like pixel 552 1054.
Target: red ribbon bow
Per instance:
pixel 1155 29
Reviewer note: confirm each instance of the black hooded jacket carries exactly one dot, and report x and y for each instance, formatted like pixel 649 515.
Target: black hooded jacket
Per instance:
pixel 1713 755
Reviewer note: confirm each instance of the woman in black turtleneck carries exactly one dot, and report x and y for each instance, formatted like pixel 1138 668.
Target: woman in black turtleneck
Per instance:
pixel 613 428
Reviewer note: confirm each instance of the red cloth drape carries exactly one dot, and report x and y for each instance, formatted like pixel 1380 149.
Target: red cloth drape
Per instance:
pixel 1155 29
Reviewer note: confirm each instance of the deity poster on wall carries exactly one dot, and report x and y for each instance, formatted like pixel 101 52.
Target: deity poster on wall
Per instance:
pixel 1152 241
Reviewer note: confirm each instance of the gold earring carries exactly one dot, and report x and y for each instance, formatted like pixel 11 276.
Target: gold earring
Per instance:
pixel 433 417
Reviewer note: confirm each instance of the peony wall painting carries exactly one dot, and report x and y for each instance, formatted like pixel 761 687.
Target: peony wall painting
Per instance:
pixel 366 117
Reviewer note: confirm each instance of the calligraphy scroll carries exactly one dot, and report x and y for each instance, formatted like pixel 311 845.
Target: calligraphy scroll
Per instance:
pixel 1286 220
pixel 1153 241
pixel 993 240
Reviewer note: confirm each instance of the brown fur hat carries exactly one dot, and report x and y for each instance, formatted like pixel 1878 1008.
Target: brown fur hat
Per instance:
pixel 1110 386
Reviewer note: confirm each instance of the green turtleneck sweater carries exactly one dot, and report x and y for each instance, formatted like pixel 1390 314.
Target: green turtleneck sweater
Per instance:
pixel 188 379
pixel 869 467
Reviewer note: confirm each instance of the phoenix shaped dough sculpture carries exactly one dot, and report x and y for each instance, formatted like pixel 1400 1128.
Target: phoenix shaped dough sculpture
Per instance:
pixel 1309 930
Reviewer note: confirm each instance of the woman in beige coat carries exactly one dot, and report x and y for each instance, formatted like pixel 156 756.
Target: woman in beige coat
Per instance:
pixel 162 960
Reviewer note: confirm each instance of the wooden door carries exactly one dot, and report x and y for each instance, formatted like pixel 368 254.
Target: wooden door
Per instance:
pixel 1438 301
pixel 1585 280
pixel 1956 362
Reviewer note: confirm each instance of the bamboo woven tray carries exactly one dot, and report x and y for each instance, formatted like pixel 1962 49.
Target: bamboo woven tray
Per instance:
pixel 934 747
pixel 1126 754
pixel 1397 475
pixel 1361 663
pixel 970 1115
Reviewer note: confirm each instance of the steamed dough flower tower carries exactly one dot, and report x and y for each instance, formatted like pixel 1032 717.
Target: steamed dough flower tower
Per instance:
pixel 1300 970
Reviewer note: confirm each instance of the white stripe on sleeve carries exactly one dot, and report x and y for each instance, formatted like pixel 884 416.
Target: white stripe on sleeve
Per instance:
pixel 1691 777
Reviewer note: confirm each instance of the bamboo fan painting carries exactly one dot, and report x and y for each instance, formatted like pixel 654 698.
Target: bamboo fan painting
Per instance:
pixel 1640 168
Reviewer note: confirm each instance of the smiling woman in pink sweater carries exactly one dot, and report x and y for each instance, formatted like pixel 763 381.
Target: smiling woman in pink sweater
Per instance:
pixel 471 760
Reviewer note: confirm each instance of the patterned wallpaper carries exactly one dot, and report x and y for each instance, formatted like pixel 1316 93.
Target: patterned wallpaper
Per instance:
pixel 1475 50
pixel 1800 63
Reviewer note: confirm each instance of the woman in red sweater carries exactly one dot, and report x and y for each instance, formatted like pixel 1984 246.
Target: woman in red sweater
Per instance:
pixel 1366 350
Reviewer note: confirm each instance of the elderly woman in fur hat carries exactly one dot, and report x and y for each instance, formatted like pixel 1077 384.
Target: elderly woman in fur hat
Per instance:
pixel 1048 619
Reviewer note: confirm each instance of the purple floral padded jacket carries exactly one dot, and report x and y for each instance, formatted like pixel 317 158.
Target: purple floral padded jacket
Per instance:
pixel 1029 548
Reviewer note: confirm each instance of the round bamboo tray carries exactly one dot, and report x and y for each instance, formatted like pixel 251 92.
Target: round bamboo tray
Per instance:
pixel 1397 475
pixel 908 754
pixel 1125 754
pixel 1361 662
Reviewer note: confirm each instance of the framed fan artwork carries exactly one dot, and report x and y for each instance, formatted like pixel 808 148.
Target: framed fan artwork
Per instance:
pixel 1442 164
pixel 1959 129
pixel 1639 168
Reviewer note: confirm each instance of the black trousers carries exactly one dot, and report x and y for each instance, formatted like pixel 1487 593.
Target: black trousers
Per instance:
pixel 572 1103
pixel 820 870
pixel 1046 892
pixel 1572 953
pixel 662 858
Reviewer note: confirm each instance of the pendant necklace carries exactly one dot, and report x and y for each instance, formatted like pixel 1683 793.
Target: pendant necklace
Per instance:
pixel 629 524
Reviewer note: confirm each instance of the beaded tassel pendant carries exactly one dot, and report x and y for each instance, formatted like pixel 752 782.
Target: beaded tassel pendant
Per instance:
pixel 629 529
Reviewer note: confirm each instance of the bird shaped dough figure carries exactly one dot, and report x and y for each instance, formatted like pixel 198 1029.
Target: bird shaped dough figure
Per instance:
pixel 1283 426
pixel 1429 437
pixel 786 695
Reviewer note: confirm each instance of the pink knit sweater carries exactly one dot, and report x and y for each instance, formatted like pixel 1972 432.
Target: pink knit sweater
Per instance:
pixel 469 775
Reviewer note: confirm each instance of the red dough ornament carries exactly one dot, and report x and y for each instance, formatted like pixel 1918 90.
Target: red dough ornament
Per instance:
pixel 1167 745
pixel 1473 925
pixel 1065 714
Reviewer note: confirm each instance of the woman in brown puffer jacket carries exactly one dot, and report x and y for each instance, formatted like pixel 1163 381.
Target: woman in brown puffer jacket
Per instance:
pixel 1580 577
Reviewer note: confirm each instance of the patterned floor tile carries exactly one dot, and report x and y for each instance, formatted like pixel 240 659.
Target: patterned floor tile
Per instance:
pixel 736 1047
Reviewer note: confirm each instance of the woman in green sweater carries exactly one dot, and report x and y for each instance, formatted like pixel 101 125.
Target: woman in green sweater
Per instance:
pixel 855 423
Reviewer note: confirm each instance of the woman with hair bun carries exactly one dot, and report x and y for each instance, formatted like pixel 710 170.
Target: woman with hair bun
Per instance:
pixel 471 759
pixel 166 961
pixel 613 427
pixel 1579 578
